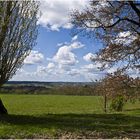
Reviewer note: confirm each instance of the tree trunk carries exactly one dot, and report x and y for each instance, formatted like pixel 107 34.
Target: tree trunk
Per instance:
pixel 105 103
pixel 3 110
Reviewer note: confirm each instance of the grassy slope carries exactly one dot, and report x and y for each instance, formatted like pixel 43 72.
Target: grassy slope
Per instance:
pixel 41 116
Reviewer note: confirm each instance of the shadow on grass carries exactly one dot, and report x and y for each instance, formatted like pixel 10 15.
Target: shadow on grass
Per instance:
pixel 80 122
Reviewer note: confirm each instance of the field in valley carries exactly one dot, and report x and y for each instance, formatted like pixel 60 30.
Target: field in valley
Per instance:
pixel 60 116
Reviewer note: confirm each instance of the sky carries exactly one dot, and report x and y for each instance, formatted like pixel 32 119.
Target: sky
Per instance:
pixel 58 55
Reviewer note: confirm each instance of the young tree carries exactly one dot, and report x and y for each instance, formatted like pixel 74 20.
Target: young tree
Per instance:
pixel 117 25
pixel 119 88
pixel 18 32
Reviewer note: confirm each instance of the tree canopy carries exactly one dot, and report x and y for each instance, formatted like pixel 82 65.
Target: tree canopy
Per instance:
pixel 117 25
pixel 18 32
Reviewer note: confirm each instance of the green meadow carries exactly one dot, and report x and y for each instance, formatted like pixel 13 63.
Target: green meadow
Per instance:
pixel 60 116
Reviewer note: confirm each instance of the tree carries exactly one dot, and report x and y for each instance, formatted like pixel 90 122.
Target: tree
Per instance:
pixel 18 32
pixel 117 25
pixel 119 88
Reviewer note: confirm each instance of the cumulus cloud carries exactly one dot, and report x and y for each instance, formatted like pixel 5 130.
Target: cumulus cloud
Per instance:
pixel 89 56
pixel 89 72
pixel 62 66
pixel 55 14
pixel 33 58
pixel 65 56
pixel 91 68
pixel 63 63
pixel 74 72
pixel 51 66
pixel 45 70
pixel 41 69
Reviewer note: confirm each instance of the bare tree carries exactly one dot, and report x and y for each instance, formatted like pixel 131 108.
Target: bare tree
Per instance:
pixel 18 32
pixel 117 25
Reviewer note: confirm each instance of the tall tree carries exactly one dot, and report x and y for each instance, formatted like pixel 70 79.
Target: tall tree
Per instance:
pixel 117 25
pixel 18 32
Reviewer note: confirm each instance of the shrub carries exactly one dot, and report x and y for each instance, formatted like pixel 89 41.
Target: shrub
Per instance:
pixel 117 103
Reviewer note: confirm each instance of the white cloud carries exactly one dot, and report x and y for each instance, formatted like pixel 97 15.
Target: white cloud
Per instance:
pixel 75 38
pixel 34 57
pixel 51 66
pixel 73 72
pixel 41 69
pixel 133 73
pixel 125 38
pixel 112 70
pixel 88 72
pixel 91 68
pixel 56 13
pixel 124 34
pixel 89 56
pixel 45 70
pixel 65 57
pixel 76 45
pixel 61 67
pixel 92 72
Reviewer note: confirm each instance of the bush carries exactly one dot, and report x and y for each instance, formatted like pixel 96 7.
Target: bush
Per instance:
pixel 117 103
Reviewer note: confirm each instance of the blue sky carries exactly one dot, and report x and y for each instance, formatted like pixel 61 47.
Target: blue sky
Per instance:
pixel 59 56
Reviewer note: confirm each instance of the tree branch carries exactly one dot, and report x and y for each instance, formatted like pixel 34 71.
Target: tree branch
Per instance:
pixel 121 19
pixel 135 8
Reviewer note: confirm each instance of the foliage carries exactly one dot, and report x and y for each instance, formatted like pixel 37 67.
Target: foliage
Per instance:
pixel 117 103
pixel 117 25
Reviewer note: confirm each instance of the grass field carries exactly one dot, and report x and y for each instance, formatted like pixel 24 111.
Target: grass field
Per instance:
pixel 48 116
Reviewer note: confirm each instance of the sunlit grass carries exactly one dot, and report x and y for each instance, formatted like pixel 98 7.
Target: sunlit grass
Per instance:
pixel 43 116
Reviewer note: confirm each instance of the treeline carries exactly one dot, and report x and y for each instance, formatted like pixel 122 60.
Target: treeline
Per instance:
pixel 56 90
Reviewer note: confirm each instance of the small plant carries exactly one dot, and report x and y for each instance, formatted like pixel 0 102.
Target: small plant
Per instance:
pixel 117 103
